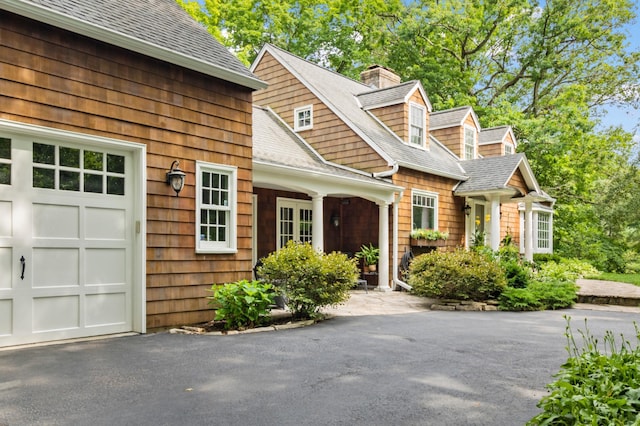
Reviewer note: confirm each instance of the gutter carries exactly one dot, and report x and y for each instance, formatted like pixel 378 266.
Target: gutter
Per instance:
pixel 387 173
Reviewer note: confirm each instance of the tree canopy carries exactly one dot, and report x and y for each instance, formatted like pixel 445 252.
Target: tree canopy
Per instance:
pixel 547 68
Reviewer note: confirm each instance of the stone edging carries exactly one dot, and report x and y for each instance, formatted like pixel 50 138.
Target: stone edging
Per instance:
pixel 202 331
pixel 463 305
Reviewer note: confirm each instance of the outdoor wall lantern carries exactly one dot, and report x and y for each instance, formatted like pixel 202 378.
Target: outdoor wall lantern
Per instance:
pixel 466 209
pixel 335 220
pixel 175 177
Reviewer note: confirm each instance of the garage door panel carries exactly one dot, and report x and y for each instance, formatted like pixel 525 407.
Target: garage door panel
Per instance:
pixel 6 224
pixel 105 266
pixel 56 313
pixel 6 317
pixel 56 267
pixel 106 309
pixel 105 224
pixel 56 221
pixel 6 263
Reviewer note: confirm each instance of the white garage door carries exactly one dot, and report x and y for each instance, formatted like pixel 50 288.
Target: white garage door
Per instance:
pixel 66 232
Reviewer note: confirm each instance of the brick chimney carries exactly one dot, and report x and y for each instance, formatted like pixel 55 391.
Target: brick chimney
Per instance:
pixel 379 77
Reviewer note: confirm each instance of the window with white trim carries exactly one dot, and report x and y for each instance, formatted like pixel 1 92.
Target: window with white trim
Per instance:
pixel 417 119
pixel 544 230
pixel 508 149
pixel 294 221
pixel 469 143
pixel 424 211
pixel 303 118
pixel 216 187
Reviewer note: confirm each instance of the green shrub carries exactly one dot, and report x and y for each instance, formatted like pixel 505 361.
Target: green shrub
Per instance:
pixel 538 296
pixel 516 273
pixel 568 270
pixel 594 387
pixel 243 303
pixel 308 279
pixel 461 274
pixel 540 258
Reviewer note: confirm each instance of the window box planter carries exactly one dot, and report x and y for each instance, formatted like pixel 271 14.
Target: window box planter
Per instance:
pixel 420 242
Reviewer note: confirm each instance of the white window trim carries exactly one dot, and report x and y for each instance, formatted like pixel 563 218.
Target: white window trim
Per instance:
pixel 296 111
pixel 464 142
pixel 509 146
pixel 539 249
pixel 434 195
pixel 296 204
pixel 424 124
pixel 210 246
pixel 534 228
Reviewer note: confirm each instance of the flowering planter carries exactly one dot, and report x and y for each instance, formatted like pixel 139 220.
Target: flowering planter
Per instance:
pixel 415 242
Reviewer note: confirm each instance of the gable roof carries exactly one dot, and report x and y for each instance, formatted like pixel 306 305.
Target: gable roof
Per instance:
pixel 340 93
pixel 495 135
pixel 393 95
pixel 276 144
pixel 451 118
pixel 157 28
pixel 494 174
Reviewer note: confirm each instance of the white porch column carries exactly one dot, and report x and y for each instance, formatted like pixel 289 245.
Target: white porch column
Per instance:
pixel 317 222
pixel 383 244
pixel 494 241
pixel 528 231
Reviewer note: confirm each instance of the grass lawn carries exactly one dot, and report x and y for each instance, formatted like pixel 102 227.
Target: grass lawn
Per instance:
pixel 621 278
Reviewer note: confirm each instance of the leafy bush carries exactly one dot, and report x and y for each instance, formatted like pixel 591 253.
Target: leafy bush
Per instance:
pixel 568 270
pixel 516 273
pixel 538 296
pixel 310 280
pixel 594 387
pixel 461 274
pixel 540 258
pixel 243 303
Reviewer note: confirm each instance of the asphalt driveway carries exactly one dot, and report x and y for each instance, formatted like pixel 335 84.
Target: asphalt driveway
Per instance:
pixel 420 368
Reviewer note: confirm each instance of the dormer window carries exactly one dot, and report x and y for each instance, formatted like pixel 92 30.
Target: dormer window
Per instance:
pixel 469 143
pixel 303 117
pixel 416 124
pixel 508 149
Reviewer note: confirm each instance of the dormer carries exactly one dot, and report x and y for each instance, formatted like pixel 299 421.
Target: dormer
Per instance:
pixel 403 108
pixel 497 141
pixel 458 129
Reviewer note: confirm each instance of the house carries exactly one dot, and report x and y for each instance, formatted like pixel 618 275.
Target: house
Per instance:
pixel 100 100
pixel 445 171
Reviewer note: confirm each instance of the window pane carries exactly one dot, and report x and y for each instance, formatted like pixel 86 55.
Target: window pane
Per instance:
pixel 44 178
pixel 5 148
pixel 224 182
pixel 93 183
pixel 205 197
pixel 215 180
pixel 93 160
pixel 5 174
pixel 69 181
pixel 44 154
pixel 115 185
pixel 115 163
pixel 69 157
pixel 206 179
pixel 222 234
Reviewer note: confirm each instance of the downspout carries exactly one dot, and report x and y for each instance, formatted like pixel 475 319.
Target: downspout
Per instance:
pixel 387 173
pixel 396 278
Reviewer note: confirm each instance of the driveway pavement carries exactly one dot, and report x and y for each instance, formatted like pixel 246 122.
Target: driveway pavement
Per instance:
pixel 408 367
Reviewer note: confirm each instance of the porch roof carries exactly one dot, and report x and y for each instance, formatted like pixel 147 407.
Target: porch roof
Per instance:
pixel 157 28
pixel 492 175
pixel 283 160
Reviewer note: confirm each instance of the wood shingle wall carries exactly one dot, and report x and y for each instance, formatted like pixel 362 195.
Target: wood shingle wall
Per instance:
pixel 58 79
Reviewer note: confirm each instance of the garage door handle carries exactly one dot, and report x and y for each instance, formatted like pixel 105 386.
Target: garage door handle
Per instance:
pixel 24 263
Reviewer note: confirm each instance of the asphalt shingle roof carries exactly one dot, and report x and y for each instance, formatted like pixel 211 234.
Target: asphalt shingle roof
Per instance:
pixel 387 96
pixel 491 173
pixel 161 23
pixel 275 143
pixel 339 93
pixel 449 117
pixel 493 135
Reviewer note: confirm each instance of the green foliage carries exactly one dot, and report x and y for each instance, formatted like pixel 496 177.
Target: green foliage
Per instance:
pixel 461 274
pixel 309 280
pixel 429 234
pixel 568 270
pixel 538 296
pixel 540 258
pixel 516 273
pixel 594 387
pixel 243 303
pixel 369 254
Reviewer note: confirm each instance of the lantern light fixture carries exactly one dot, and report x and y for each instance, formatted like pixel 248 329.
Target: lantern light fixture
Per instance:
pixel 175 177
